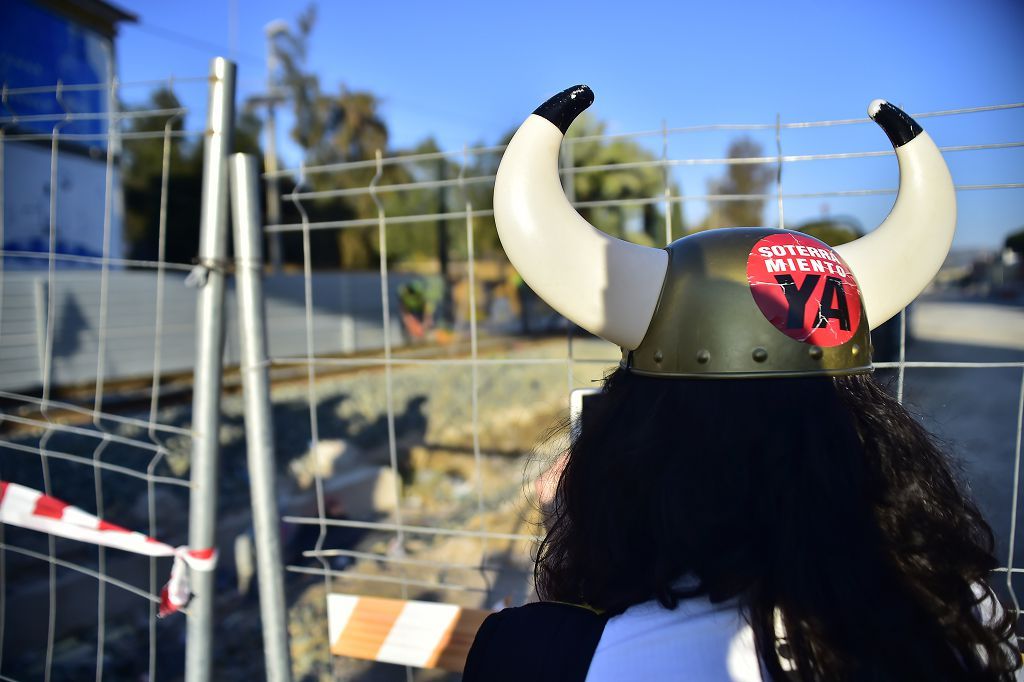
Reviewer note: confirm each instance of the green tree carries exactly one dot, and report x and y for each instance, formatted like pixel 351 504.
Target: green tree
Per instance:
pixel 832 231
pixel 142 168
pixel 347 126
pixel 1015 241
pixel 333 129
pixel 480 195
pixel 743 178
pixel 643 223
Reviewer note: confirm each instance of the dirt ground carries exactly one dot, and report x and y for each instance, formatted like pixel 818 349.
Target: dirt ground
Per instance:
pixel 443 484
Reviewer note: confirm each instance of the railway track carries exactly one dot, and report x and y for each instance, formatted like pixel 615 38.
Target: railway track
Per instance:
pixel 74 405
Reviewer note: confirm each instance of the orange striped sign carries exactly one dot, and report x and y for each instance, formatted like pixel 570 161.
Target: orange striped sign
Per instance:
pixel 415 633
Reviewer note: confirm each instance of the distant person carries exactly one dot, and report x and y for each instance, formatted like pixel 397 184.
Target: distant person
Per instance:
pixel 745 502
pixel 416 310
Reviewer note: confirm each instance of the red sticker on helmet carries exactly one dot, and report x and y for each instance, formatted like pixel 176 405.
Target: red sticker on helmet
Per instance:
pixel 804 288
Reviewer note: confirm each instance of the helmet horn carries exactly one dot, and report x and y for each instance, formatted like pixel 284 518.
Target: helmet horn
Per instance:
pixel 607 286
pixel 897 260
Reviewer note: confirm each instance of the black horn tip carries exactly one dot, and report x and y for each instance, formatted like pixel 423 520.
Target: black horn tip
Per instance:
pixel 563 108
pixel 900 128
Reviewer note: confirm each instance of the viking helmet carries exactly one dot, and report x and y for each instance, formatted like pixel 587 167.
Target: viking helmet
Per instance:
pixel 732 302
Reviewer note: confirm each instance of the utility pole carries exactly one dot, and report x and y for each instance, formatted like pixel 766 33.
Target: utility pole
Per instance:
pixel 273 194
pixel 447 311
pixel 271 99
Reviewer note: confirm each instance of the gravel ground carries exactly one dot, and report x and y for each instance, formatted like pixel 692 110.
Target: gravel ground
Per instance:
pixel 443 485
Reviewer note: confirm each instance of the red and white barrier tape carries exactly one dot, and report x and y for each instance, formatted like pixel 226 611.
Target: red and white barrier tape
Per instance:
pixel 28 508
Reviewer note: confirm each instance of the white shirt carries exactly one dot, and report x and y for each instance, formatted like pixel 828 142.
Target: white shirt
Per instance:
pixel 698 641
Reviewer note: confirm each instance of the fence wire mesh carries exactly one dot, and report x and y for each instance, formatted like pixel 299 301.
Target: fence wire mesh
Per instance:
pixel 94 370
pixel 437 428
pixel 409 394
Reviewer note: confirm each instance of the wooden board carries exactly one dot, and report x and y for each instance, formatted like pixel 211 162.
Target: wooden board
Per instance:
pixel 405 632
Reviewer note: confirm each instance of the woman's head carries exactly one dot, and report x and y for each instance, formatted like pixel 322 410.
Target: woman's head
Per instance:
pixel 819 497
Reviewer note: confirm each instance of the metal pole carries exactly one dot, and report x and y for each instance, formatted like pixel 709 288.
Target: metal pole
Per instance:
pixel 271 30
pixel 259 426
pixel 209 361
pixel 273 193
pixel 447 312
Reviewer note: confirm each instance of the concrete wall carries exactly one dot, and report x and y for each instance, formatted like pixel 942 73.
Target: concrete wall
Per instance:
pixel 346 318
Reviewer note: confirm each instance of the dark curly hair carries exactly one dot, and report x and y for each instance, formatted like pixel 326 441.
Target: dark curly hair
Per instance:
pixel 820 500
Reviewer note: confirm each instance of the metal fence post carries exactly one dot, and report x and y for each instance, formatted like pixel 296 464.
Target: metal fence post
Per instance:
pixel 209 360
pixel 259 427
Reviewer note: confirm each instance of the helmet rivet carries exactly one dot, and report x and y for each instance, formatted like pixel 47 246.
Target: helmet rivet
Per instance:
pixel 703 357
pixel 759 354
pixel 855 350
pixel 658 357
pixel 815 352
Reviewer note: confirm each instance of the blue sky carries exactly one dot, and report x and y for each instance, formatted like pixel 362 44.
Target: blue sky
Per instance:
pixel 467 72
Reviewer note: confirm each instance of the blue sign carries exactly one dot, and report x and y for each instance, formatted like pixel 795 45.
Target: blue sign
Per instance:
pixel 38 49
